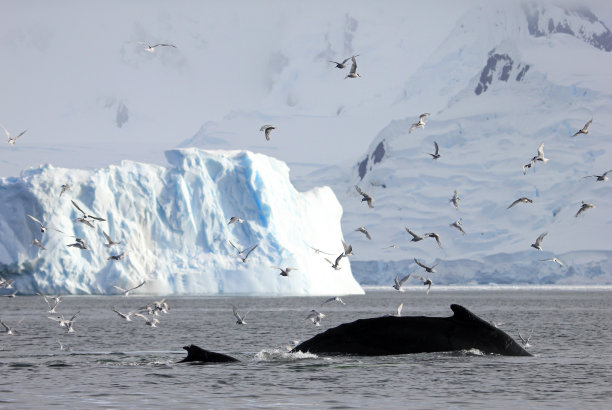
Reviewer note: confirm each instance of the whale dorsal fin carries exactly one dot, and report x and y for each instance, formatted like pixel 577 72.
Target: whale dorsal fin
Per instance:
pixel 464 315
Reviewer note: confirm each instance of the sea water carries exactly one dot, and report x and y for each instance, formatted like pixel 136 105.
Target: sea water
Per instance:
pixel 111 363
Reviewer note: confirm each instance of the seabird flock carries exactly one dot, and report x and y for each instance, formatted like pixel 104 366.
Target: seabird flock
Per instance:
pixel 154 308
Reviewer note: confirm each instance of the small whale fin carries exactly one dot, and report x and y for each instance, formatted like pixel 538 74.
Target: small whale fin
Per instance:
pixel 463 315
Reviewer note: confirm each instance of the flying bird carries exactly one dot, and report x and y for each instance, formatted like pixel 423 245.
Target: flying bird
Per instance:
pixel 399 282
pixel 284 271
pixel 56 301
pixel 367 198
pixel 267 129
pixel 43 228
pixel 126 292
pixel 555 260
pixel 603 177
pixel 415 237
pixel 240 320
pixel 12 140
pixel 538 241
pixel 126 316
pixel 247 254
pixel 9 331
pixel 455 200
pixel 336 264
pixel 79 244
pixel 420 124
pixel 364 231
pixel 436 153
pixel 540 156
pixel 234 219
pixel 353 72
pixel 457 225
pixel 318 251
pixel 85 218
pixel 585 206
pixel 149 321
pixel 117 257
pixel 343 63
pixel 585 129
pixel 109 241
pixel 427 268
pixel 151 48
pixel 36 242
pixel 315 317
pixel 525 341
pixel 348 249
pixel 426 282
pixel 65 187
pixel 435 236
pixel 399 310
pixel 334 299
pixel 522 199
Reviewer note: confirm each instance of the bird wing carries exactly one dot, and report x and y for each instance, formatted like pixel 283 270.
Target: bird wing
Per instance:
pixel 5 326
pixel 420 264
pixel 136 287
pixel 521 337
pixel 328 261
pixel 345 246
pixel 163 45
pixel 514 203
pixel 338 259
pixel 249 252
pixel 235 247
pixel 107 237
pixel 399 309
pixel 413 127
pixel 20 134
pixel 437 148
pixel 264 127
pixel 75 316
pixel 404 279
pixel 8 134
pixel 419 277
pixel 354 65
pixel 437 237
pixel 77 207
pixel 367 234
pixel 345 60
pixel 586 127
pixel 36 220
pixel 411 233
pixel 97 218
pixel 360 191
pixel 541 150
pixel 120 288
pixel 268 133
pixel 235 311
pixel 540 238
pixel 424 115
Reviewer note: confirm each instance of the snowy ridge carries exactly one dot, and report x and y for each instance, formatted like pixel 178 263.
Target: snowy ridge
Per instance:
pixel 173 224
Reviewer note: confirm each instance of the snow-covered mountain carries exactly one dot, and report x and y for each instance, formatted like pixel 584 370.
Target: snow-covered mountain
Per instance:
pixel 509 77
pixel 173 224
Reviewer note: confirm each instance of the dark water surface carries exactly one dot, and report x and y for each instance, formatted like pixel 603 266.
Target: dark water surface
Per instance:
pixel 111 363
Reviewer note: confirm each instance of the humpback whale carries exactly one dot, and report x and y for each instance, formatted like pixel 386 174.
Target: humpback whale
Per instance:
pixel 393 335
pixel 197 354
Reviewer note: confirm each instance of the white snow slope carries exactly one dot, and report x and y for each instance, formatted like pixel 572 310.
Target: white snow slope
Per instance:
pixel 173 224
pixel 508 78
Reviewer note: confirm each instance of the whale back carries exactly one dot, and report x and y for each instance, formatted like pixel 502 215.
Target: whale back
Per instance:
pixel 391 335
pixel 197 354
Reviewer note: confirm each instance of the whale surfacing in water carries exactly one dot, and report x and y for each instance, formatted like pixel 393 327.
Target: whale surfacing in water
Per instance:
pixel 197 354
pixel 392 335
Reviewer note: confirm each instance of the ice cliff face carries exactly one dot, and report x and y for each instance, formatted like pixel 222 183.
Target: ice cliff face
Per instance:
pixel 173 224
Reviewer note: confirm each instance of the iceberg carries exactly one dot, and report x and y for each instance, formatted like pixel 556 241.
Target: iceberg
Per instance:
pixel 172 222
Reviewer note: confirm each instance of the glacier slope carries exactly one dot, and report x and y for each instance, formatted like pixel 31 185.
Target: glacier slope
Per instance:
pixel 173 224
pixel 493 100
